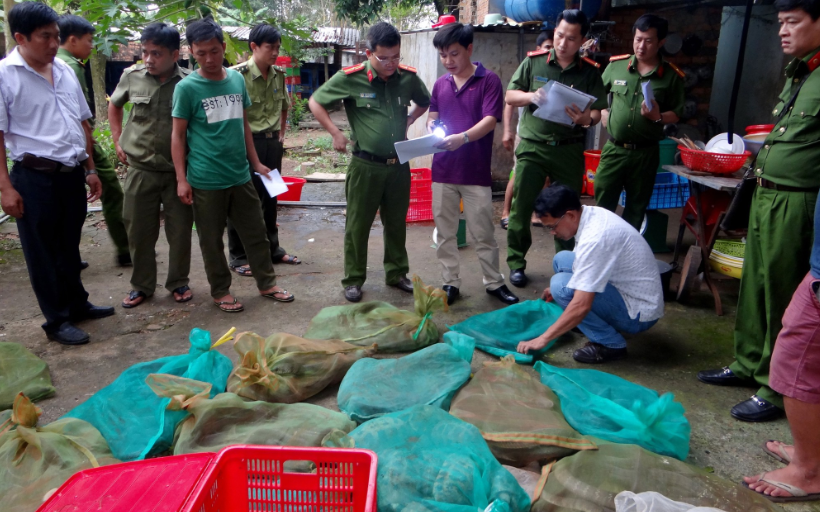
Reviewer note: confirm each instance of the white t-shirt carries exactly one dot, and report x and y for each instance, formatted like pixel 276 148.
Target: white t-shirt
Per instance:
pixel 609 250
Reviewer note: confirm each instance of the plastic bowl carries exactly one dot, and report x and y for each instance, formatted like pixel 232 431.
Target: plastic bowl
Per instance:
pixel 754 141
pixel 759 128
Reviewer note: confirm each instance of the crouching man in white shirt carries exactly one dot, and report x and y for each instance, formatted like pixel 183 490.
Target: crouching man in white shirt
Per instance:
pixel 608 285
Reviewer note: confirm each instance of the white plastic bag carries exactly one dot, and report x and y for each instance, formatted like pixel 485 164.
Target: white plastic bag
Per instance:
pixel 628 501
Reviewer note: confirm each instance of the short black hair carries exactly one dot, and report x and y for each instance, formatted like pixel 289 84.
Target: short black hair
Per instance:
pixel 556 200
pixel 574 17
pixel 545 35
pixel 453 33
pixel 71 25
pixel 382 34
pixel 203 30
pixel 264 33
pixel 649 21
pixel 161 34
pixel 26 17
pixel 812 7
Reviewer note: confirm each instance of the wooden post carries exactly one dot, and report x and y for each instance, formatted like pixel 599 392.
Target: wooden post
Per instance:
pixel 98 63
pixel 10 43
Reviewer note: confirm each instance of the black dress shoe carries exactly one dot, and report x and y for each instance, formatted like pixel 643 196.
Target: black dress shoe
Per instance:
pixel 353 293
pixel 67 334
pixel 404 285
pixel 518 278
pixel 124 260
pixel 92 312
pixel 756 409
pixel 83 265
pixel 595 353
pixel 722 377
pixel 452 293
pixel 504 294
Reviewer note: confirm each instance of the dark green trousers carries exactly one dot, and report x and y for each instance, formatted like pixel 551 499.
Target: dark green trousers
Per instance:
pixel 778 246
pixel 535 162
pixel 630 170
pixel 145 191
pixel 372 187
pixel 112 199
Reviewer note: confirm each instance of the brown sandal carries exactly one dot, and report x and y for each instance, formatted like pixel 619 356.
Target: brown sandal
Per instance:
pixel 229 303
pixel 273 295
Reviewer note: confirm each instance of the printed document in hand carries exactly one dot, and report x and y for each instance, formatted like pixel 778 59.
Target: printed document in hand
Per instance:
pixel 274 183
pixel 648 94
pixel 560 96
pixel 417 147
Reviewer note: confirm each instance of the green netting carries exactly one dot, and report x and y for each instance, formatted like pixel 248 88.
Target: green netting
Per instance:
pixel 603 405
pixel 374 387
pixel 589 481
pixel 35 460
pixel 499 332
pixel 432 461
pixel 22 372
pixel 227 419
pixel 519 417
pixel 286 368
pixel 392 329
pixel 132 418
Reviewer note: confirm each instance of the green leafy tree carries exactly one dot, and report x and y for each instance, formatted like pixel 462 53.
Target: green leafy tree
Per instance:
pixel 362 12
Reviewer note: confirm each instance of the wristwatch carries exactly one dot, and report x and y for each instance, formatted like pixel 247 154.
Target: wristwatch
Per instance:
pixel 658 120
pixel 466 138
pixel 90 171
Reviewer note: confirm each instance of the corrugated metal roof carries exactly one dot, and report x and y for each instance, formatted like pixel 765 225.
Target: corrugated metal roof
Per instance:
pixel 332 35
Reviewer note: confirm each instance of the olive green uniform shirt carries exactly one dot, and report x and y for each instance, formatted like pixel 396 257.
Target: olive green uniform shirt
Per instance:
pixel 376 109
pixel 538 69
pixel 622 79
pixel 78 67
pixel 791 153
pixel 269 96
pixel 146 137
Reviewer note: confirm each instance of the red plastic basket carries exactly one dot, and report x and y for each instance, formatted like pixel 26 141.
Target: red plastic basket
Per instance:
pixel 254 478
pixel 421 195
pixel 715 163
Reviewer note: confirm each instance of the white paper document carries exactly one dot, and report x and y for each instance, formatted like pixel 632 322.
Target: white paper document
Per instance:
pixel 558 97
pixel 648 94
pixel 417 147
pixel 275 185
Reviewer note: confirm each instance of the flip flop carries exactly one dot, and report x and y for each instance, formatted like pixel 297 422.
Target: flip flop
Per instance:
pixel 780 455
pixel 505 221
pixel 229 303
pixel 797 494
pixel 290 260
pixel 243 270
pixel 181 291
pixel 134 295
pixel 273 295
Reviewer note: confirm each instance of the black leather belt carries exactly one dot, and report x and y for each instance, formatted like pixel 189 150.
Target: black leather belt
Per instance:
pixel 266 135
pixel 46 165
pixel 626 145
pixel 576 140
pixel 364 155
pixel 763 182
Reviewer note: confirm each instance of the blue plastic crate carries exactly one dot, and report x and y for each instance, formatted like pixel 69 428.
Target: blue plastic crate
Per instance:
pixel 671 191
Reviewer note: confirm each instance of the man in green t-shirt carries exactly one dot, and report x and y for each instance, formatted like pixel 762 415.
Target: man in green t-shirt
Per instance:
pixel 212 145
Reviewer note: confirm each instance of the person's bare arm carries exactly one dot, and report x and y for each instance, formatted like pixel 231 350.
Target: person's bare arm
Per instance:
pixel 414 113
pixel 92 180
pixel 250 149
pixel 283 126
pixel 115 120
pixel 577 310
pixel 321 114
pixel 653 113
pixel 480 129
pixel 431 118
pixel 508 138
pixel 516 98
pixel 10 201
pixel 179 142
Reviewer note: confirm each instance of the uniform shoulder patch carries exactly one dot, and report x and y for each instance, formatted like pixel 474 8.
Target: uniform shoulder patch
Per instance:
pixel 536 53
pixel 677 70
pixel 242 67
pixel 280 69
pixel 135 67
pixel 590 62
pixel 353 69
pixel 405 67
pixel 619 57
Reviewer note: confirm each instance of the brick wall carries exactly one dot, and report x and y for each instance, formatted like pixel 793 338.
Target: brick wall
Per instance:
pixel 472 11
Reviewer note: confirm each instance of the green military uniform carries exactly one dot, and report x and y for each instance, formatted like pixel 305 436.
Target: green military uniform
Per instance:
pixel 547 149
pixel 629 161
pixel 781 225
pixel 270 103
pixel 112 197
pixel 377 112
pixel 151 179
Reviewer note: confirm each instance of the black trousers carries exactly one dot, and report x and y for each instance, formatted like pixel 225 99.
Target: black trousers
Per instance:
pixel 54 209
pixel 270 153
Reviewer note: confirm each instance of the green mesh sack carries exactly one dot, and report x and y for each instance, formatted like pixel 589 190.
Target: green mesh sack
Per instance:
pixel 22 372
pixel 431 461
pixel 391 328
pixel 227 419
pixel 35 460
pixel 589 481
pixel 604 405
pixel 499 332
pixel 374 387
pixel 288 369
pixel 519 417
pixel 132 418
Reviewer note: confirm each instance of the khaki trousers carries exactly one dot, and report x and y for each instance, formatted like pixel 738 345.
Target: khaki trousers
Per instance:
pixel 478 211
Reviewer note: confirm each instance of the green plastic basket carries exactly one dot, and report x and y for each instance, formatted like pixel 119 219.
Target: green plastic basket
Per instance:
pixel 734 248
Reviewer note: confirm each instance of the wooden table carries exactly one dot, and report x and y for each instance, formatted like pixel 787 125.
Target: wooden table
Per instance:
pixel 698 182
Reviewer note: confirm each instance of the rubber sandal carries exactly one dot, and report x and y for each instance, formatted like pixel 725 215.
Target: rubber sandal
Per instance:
pixel 290 260
pixel 505 221
pixel 229 303
pixel 181 291
pixel 780 455
pixel 133 295
pixel 290 297
pixel 797 494
pixel 243 270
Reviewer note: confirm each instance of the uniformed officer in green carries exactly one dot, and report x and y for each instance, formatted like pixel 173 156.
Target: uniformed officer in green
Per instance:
pixel 76 45
pixel 629 160
pixel 144 145
pixel 377 95
pixel 548 149
pixel 781 224
pixel 268 119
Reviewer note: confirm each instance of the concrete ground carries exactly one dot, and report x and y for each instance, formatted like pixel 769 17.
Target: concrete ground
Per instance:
pixel 666 358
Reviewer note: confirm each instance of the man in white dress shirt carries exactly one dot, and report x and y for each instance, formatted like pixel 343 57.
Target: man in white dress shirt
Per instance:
pixel 607 285
pixel 43 123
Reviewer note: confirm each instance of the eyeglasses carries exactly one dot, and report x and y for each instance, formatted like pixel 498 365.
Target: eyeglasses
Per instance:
pixel 387 60
pixel 553 227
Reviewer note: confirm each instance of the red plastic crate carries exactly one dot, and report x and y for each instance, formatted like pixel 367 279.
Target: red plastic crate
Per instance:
pixel 156 485
pixel 253 478
pixel 421 195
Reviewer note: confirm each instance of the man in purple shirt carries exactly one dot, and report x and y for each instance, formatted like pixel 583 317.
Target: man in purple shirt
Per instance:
pixel 468 100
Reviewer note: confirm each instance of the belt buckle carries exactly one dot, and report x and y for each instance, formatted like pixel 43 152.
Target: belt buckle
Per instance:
pixel 391 161
pixel 759 181
pixel 268 135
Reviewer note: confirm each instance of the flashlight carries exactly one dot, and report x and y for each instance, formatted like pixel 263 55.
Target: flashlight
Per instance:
pixel 438 131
